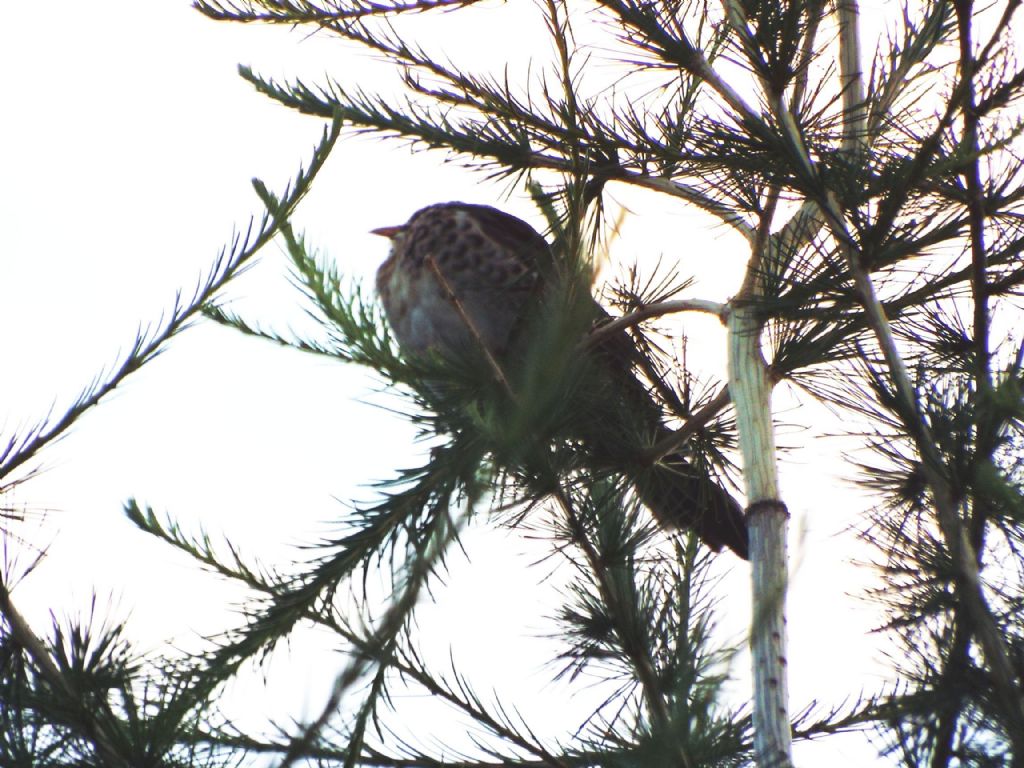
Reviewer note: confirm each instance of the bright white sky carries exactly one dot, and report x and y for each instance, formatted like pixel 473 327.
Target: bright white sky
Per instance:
pixel 126 150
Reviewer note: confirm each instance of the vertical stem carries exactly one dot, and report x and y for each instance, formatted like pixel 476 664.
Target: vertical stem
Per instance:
pixel 751 395
pixel 969 585
pixel 851 76
pixel 767 517
pixel 976 208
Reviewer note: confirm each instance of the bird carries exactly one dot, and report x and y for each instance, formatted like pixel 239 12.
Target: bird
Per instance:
pixel 461 276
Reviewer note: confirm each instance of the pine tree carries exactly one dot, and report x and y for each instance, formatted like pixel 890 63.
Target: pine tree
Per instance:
pixel 880 200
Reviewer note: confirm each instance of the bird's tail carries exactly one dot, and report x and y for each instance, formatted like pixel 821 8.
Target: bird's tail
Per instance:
pixel 681 496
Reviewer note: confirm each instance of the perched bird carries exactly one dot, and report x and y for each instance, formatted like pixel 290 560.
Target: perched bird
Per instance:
pixel 460 276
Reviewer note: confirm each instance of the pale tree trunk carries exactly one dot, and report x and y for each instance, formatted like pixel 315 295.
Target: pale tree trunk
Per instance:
pixel 750 386
pixel 767 517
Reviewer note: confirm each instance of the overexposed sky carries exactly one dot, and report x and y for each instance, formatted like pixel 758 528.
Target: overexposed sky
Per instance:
pixel 126 148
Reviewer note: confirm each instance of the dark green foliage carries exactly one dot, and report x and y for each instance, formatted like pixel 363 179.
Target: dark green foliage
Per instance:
pixel 885 266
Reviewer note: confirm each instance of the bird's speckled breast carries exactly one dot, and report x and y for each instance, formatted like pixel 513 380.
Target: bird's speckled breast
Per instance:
pixel 451 257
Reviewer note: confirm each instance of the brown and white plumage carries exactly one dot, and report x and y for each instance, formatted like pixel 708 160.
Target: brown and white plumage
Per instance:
pixel 491 262
pixel 461 274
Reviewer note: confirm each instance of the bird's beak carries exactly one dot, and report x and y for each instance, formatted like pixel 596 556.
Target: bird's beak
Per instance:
pixel 388 232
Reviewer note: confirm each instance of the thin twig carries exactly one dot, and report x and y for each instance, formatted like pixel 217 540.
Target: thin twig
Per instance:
pixel 815 12
pixel 648 311
pixel 675 439
pixel 725 213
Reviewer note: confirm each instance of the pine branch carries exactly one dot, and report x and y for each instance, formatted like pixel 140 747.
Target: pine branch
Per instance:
pixel 642 663
pixel 384 637
pixel 150 343
pixel 611 328
pixel 678 49
pixel 303 12
pixel 508 132
pixel 94 729
pixel 882 188
pixel 964 553
pixel 969 585
pixel 402 661
pixel 691 426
